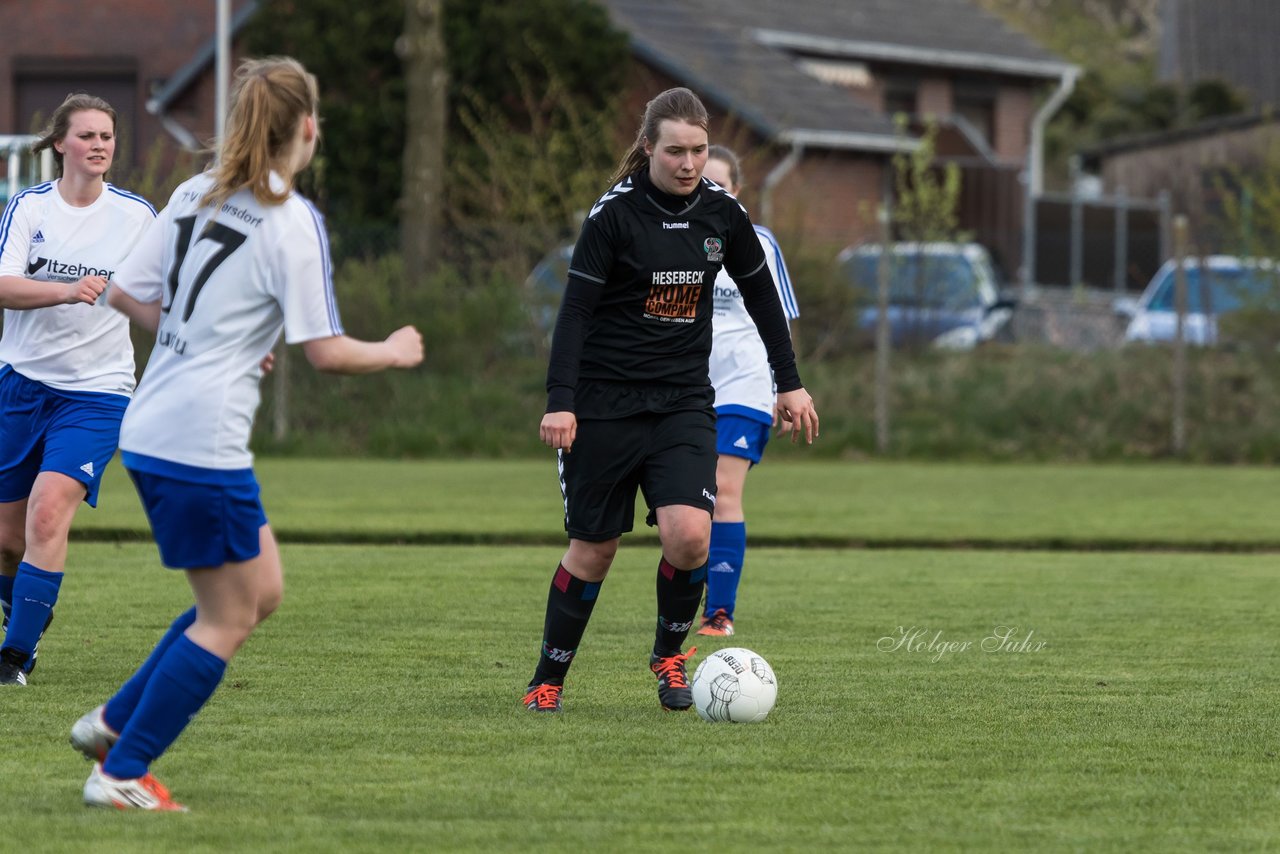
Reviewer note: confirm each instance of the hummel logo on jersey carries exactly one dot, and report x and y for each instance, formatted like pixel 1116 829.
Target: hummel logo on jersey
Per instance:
pixel 683 225
pixel 742 443
pixel 87 468
pixel 39 238
pixel 624 186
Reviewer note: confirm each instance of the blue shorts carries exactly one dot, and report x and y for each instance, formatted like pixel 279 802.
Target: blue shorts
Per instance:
pixel 741 436
pixel 200 518
pixel 74 433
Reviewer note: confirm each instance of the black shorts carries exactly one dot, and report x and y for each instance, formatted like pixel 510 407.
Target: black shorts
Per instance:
pixel 670 457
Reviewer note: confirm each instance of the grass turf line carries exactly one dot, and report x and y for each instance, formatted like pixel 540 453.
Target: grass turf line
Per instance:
pixel 823 503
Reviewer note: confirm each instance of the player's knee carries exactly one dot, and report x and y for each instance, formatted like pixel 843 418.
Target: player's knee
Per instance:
pixel 46 524
pixel 268 605
pixel 687 547
pixel 269 600
pixel 686 538
pixel 686 555
pixel 591 561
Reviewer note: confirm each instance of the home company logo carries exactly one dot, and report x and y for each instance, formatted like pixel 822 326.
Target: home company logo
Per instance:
pixel 674 295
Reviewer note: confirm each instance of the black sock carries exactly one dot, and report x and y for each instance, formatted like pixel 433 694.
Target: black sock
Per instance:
pixel 569 605
pixel 679 595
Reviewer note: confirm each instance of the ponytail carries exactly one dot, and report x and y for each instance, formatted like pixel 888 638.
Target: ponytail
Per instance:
pixel 270 97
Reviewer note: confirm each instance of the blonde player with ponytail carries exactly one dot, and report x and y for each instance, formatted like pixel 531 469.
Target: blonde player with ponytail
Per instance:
pixel 236 258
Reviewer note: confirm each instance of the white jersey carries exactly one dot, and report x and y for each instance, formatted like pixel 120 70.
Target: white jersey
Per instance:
pixel 70 347
pixel 739 364
pixel 228 281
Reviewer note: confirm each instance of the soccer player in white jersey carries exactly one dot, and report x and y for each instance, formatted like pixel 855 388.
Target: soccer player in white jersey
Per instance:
pixel 744 405
pixel 66 364
pixel 235 257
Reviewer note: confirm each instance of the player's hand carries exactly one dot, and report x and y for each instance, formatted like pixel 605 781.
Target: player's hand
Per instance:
pixel 86 291
pixel 406 347
pixel 558 430
pixel 268 362
pixel 796 414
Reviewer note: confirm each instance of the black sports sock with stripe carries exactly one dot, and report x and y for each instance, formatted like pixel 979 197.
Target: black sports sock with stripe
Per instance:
pixel 569 606
pixel 679 595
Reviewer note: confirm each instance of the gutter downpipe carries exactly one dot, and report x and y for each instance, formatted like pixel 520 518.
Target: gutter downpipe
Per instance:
pixel 1034 176
pixel 184 137
pixel 775 176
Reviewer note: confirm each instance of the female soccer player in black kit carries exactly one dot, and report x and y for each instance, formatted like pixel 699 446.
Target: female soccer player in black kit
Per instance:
pixel 629 402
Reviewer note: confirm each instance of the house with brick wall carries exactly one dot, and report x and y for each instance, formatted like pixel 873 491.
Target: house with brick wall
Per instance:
pixel 1229 41
pixel 151 59
pixel 807 91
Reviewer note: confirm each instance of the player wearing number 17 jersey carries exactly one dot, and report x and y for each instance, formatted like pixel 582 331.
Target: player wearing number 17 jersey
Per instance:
pixel 234 259
pixel 226 281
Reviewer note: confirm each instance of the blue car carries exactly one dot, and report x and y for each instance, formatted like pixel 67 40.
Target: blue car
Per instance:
pixel 1231 284
pixel 544 288
pixel 940 294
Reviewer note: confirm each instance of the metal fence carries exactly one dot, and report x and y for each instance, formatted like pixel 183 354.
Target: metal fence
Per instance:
pixel 1106 242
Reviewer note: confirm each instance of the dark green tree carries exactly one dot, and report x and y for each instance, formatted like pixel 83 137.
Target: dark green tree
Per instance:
pixel 350 47
pixel 498 52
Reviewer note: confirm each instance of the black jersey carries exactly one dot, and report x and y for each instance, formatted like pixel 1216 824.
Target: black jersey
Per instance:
pixel 637 309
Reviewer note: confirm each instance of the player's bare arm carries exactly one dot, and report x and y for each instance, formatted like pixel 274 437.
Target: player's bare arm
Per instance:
pixel 19 294
pixel 144 314
pixel 341 354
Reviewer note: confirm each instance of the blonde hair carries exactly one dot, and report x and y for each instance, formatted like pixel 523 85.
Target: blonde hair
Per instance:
pixel 268 99
pixel 727 157
pixel 60 125
pixel 679 104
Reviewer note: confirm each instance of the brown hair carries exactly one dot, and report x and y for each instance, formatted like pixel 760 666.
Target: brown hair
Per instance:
pixel 268 99
pixel 60 124
pixel 726 156
pixel 679 104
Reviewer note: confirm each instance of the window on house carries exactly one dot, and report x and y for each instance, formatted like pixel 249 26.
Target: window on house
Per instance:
pixel 901 95
pixel 976 104
pixel 41 84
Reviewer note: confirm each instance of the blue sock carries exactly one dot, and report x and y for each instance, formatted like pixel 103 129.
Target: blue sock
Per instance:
pixel 6 593
pixel 120 707
pixel 183 681
pixel 34 594
pixel 724 565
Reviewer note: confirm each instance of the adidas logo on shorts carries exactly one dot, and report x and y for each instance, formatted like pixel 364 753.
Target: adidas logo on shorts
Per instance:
pixel 741 443
pixel 87 468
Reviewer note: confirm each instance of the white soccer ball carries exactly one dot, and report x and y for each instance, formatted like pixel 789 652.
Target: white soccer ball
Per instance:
pixel 734 685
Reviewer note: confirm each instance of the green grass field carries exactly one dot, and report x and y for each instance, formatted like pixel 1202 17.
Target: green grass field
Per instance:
pixel 379 710
pixel 790 503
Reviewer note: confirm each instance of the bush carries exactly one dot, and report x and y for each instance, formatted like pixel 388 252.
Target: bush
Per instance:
pixel 478 393
pixel 1005 403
